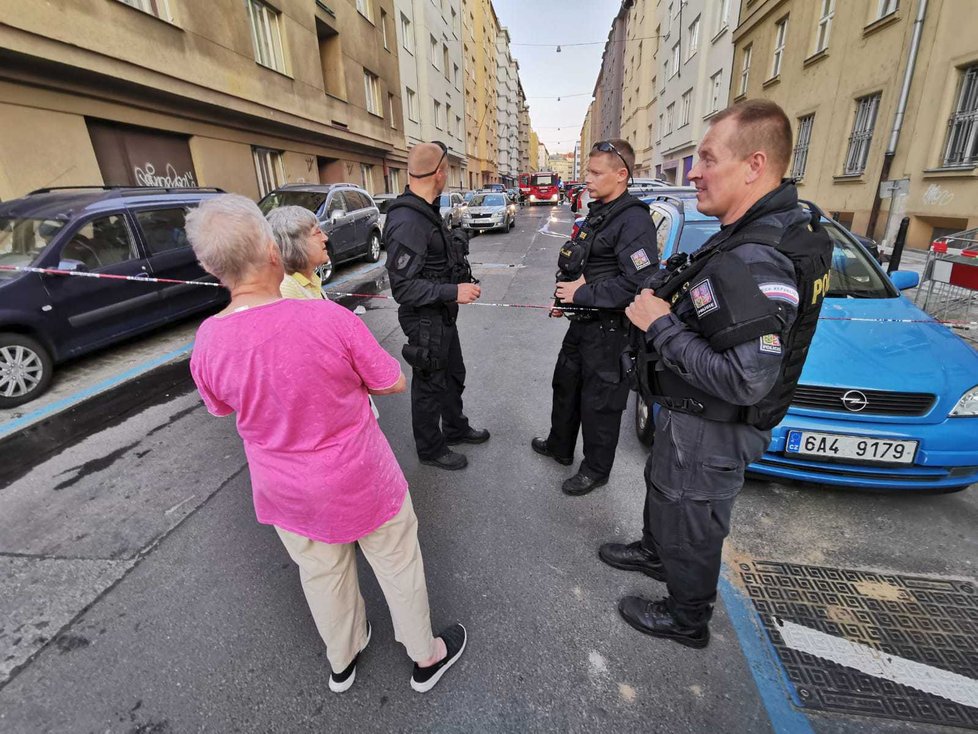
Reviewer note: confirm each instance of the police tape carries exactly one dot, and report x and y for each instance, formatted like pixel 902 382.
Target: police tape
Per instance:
pixel 964 325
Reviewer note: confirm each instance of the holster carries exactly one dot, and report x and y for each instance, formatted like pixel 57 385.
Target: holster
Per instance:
pixel 425 355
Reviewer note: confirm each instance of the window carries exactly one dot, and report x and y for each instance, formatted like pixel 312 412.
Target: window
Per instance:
pixel 363 7
pixel 266 36
pixel 862 135
pixel 395 174
pixel 685 102
pixel 886 7
pixel 438 117
pixel 448 117
pixel 367 175
pixel 455 75
pixel 962 135
pixel 383 28
pixel 722 17
pixel 444 59
pixel 268 166
pixel 412 104
pixel 158 8
pixel 433 55
pixel 824 25
pixel 675 58
pixel 745 68
pixel 458 126
pixel 371 90
pixel 780 33
pixel 693 42
pixel 669 19
pixel 665 74
pixel 163 229
pixel 407 35
pixel 716 90
pixel 800 160
pixel 100 243
pixel 454 21
pixel 670 117
pixel 651 135
pixel 390 106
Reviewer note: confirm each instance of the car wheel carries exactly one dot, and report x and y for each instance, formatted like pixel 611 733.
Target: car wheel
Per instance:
pixel 25 369
pixel 373 248
pixel 325 272
pixel 644 425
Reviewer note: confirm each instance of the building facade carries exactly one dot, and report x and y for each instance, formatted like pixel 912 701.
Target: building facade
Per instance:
pixel 608 88
pixel 523 129
pixel 231 93
pixel 563 165
pixel 838 70
pixel 639 90
pixel 480 30
pixel 507 112
pixel 693 77
pixel 432 83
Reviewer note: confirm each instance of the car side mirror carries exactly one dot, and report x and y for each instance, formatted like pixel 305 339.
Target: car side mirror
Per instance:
pixel 905 279
pixel 76 265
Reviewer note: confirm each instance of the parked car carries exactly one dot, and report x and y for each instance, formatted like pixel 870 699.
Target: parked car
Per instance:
pixel 496 188
pixel 452 205
pixel 489 211
pixel 345 212
pixel 888 397
pixel 467 196
pixel 382 201
pixel 663 193
pixel 47 319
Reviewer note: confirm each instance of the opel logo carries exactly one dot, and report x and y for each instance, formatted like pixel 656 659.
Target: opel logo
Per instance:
pixel 854 401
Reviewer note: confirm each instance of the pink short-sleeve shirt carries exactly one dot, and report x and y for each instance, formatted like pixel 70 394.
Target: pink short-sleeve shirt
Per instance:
pixel 297 373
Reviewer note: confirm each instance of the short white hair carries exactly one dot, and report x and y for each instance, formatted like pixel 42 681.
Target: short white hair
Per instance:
pixel 290 227
pixel 229 236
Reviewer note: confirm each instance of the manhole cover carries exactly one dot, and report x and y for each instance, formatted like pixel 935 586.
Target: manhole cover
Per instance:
pixel 876 644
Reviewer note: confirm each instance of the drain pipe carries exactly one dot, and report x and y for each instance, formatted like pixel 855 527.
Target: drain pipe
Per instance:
pixel 918 26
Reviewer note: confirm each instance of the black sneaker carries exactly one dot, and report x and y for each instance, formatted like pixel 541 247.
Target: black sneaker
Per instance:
pixel 581 483
pixel 450 460
pixel 339 682
pixel 424 679
pixel 474 435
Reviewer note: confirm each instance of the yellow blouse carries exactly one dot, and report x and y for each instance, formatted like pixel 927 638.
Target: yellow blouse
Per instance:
pixel 297 285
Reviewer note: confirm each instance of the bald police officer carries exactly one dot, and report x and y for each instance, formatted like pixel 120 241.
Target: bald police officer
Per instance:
pixel 725 344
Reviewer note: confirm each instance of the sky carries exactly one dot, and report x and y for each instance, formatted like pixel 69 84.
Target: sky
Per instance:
pixel 546 74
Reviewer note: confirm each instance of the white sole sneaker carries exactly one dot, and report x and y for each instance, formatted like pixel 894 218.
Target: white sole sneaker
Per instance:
pixel 342 686
pixel 427 685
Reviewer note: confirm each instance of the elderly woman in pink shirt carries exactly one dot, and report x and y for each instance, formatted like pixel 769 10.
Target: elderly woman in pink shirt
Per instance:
pixel 326 479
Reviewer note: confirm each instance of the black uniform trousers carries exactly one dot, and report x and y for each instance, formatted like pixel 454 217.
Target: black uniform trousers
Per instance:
pixel 692 478
pixel 436 394
pixel 589 393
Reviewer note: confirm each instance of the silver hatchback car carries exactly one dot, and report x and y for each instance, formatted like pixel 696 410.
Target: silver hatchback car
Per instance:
pixel 489 210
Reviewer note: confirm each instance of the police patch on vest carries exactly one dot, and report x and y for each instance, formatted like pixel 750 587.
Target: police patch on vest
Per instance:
pixel 780 292
pixel 640 259
pixel 771 344
pixel 704 300
pixel 403 260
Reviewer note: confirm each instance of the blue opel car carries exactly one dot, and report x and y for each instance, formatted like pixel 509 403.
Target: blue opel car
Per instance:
pixel 888 398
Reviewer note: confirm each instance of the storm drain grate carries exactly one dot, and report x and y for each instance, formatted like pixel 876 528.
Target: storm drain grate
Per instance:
pixel 875 644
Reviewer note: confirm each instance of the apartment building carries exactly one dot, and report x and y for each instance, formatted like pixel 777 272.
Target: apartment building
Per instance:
pixel 523 129
pixel 429 47
pixel 507 112
pixel 240 94
pixel 588 138
pixel 480 30
pixel 533 154
pixel 692 71
pixel 608 87
pixel 563 165
pixel 865 151
pixel 639 83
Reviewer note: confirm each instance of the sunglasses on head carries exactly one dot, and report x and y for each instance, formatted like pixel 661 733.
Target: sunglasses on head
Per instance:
pixel 444 152
pixel 604 146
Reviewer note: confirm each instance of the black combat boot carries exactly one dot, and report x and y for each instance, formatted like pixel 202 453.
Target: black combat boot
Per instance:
pixel 632 557
pixel 654 618
pixel 540 446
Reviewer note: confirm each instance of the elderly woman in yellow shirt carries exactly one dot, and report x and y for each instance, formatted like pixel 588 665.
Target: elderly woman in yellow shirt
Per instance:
pixel 303 247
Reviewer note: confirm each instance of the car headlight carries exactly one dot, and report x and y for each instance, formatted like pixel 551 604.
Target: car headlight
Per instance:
pixel 967 406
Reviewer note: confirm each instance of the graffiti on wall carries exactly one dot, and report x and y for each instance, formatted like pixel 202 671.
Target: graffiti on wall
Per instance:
pixel 170 179
pixel 937 195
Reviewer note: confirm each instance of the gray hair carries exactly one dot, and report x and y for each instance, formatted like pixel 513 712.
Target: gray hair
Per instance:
pixel 290 226
pixel 229 236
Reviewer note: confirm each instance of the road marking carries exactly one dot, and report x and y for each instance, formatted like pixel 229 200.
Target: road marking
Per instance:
pixel 879 664
pixel 179 504
pixel 776 691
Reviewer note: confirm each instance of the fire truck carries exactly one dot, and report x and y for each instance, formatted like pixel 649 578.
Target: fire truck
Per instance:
pixel 540 187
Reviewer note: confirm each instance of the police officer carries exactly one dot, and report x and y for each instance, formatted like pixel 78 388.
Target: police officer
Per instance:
pixel 601 268
pixel 429 277
pixel 727 346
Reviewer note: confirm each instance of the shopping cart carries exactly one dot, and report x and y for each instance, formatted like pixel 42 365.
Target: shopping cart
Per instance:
pixel 949 286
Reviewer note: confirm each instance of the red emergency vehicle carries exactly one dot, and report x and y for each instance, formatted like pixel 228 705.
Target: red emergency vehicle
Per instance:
pixel 540 187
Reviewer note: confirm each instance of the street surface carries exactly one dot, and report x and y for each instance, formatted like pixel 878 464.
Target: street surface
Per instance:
pixel 138 594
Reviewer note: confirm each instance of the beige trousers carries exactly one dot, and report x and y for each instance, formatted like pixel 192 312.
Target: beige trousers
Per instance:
pixel 328 572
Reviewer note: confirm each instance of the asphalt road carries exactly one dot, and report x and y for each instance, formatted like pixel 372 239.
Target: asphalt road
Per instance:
pixel 138 594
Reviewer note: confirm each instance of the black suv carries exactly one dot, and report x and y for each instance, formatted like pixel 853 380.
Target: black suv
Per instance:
pixel 345 212
pixel 127 231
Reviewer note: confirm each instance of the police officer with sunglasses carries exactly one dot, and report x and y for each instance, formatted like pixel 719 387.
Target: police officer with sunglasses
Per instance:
pixel 429 276
pixel 600 269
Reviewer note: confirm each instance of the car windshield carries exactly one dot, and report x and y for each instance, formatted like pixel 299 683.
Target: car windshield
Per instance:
pixel 488 200
pixel 852 274
pixel 22 240
pixel 543 179
pixel 695 234
pixel 311 200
